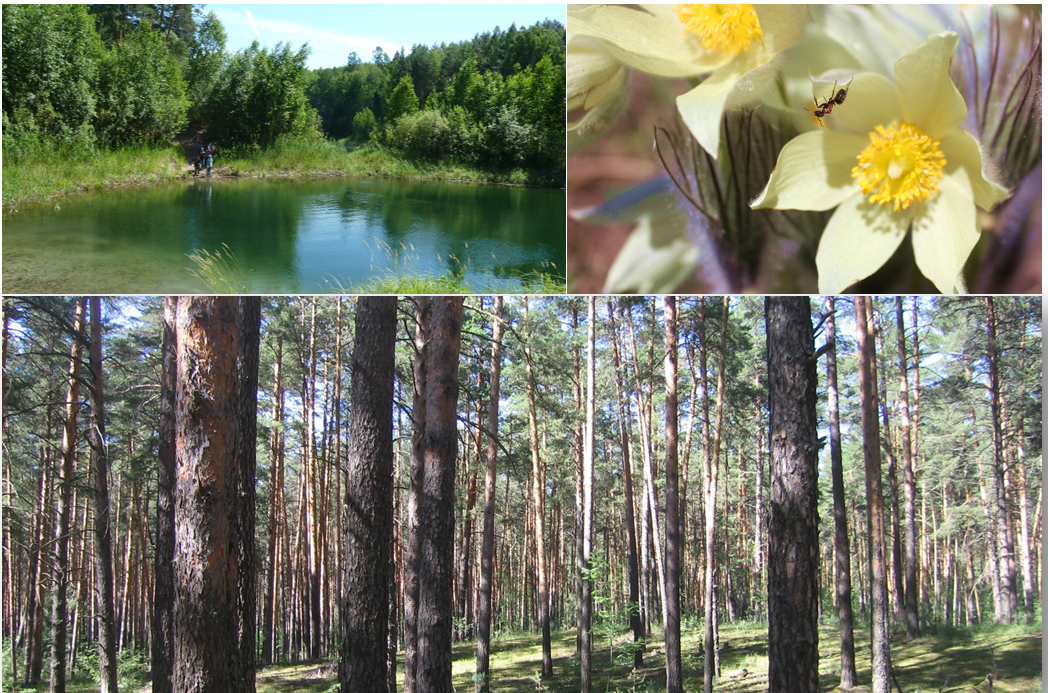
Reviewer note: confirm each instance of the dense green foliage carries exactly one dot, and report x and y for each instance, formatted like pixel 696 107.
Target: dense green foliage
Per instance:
pixel 80 80
pixel 95 77
pixel 141 94
pixel 50 67
pixel 260 96
pixel 495 101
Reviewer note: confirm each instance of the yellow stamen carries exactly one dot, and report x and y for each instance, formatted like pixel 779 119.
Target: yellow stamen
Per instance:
pixel 902 165
pixel 727 28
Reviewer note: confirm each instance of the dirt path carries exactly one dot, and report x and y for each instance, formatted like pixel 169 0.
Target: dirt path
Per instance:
pixel 187 140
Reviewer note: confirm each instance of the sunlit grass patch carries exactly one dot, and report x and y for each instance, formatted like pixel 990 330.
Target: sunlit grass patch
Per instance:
pixel 58 174
pixel 937 663
pixel 221 270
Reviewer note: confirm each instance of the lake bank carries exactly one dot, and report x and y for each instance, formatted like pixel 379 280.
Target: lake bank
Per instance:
pixel 55 175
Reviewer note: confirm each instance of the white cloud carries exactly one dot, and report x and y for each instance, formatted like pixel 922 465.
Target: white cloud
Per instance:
pixel 251 22
pixel 328 48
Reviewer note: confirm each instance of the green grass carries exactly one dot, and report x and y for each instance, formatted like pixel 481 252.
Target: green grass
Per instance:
pixel 949 661
pixel 330 158
pixel 46 173
pixel 921 665
pixel 54 174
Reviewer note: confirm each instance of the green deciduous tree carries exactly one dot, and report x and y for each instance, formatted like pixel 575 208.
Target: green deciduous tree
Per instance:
pixel 50 64
pixel 141 94
pixel 403 101
pixel 261 96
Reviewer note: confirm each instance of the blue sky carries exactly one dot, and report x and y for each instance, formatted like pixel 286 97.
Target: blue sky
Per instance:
pixel 333 31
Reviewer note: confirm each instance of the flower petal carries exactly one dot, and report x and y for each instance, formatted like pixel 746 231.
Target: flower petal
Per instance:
pixel 876 39
pixel 735 83
pixel 596 82
pixel 654 260
pixel 859 238
pixel 758 80
pixel 813 172
pixel 588 67
pixel 929 98
pixel 872 100
pixel 781 24
pixel 643 41
pixel 965 163
pixel 944 233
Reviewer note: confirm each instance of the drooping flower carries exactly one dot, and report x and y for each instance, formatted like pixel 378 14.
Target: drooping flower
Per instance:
pixel 904 167
pixel 733 44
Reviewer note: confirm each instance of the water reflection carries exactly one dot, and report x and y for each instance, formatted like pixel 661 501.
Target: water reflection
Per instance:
pixel 288 235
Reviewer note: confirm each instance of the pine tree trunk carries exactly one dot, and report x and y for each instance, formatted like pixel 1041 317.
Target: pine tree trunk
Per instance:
pixel 411 546
pixel 369 500
pixel 102 529
pixel 60 606
pixel 633 606
pixel 912 617
pixel 793 536
pixel 842 548
pixel 881 662
pixel 164 592
pixel 674 678
pixel 538 495
pixel 1024 512
pixel 580 453
pixel 215 414
pixel 487 551
pixel 653 539
pixel 1008 603
pixel 712 668
pixel 584 565
pixel 276 481
pixel 437 503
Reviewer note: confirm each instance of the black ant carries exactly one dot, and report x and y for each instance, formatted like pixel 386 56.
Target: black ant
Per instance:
pixel 827 107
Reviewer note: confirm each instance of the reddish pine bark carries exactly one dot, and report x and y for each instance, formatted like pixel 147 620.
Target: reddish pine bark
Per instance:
pixel 841 543
pixel 881 645
pixel 60 605
pixel 215 412
pixel 487 550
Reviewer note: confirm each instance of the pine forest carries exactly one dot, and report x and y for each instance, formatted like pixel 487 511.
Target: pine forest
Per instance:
pixel 340 493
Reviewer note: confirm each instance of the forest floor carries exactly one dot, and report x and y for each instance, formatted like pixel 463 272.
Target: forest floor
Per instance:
pixel 945 661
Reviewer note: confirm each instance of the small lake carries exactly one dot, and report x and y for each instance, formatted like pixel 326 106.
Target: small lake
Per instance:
pixel 287 236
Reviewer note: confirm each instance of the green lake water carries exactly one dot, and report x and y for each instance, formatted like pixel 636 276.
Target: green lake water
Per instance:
pixel 288 236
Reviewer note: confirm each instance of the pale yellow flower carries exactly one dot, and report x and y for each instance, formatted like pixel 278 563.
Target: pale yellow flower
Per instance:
pixel 905 166
pixel 734 44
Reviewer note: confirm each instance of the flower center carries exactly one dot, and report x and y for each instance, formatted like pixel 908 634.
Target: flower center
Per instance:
pixel 727 28
pixel 901 166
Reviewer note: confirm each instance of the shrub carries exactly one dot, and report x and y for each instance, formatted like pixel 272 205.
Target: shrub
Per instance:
pixel 363 124
pixel 426 134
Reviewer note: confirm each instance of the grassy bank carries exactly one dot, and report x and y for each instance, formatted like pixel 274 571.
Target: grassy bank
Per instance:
pixel 52 173
pixel 329 158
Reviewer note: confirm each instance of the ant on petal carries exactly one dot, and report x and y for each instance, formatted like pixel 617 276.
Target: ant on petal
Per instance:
pixel 836 99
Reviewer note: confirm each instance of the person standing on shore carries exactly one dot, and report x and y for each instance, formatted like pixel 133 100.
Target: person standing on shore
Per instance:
pixel 208 161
